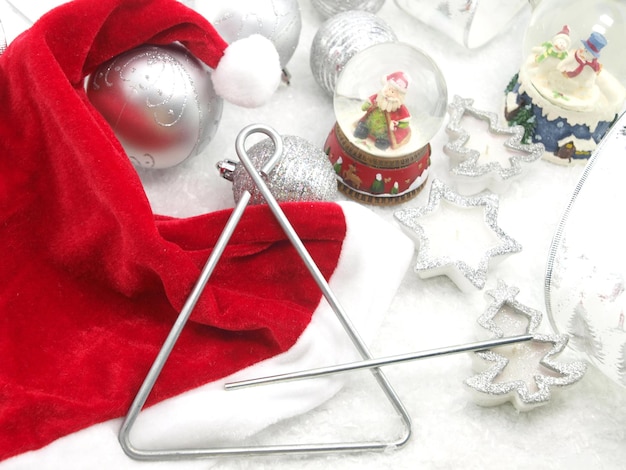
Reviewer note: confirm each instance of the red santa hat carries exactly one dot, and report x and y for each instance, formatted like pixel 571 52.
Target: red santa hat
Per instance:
pixel 399 80
pixel 564 33
pixel 91 280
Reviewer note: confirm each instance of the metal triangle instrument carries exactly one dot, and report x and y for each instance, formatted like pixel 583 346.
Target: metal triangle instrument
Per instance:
pixel 168 345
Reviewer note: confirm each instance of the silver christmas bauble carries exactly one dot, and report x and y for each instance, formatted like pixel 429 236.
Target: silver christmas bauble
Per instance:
pixel 341 37
pixel 278 20
pixel 160 102
pixel 303 173
pixel 328 8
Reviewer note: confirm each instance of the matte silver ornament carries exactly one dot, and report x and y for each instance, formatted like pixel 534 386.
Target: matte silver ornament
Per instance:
pixel 279 21
pixel 341 37
pixel 160 102
pixel 303 173
pixel 328 8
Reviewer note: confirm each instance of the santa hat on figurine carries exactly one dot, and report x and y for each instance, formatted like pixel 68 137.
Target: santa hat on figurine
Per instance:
pixel 398 80
pixel 92 281
pixel 563 34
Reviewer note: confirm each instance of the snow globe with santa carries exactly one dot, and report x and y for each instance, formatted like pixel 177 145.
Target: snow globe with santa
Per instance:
pixel 570 87
pixel 390 99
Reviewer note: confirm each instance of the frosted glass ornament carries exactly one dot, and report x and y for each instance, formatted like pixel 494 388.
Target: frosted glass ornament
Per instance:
pixel 586 275
pixel 159 101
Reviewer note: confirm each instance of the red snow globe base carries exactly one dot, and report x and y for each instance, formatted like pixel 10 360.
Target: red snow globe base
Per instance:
pixel 373 179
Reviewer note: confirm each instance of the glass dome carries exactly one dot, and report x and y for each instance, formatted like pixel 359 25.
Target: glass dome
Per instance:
pixel 600 25
pixel 390 99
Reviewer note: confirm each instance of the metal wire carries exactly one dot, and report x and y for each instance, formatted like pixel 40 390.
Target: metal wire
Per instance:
pixel 168 345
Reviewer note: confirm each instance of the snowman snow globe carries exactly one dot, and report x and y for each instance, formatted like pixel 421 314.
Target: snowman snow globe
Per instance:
pixel 570 86
pixel 390 100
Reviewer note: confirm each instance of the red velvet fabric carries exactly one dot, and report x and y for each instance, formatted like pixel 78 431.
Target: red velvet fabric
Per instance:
pixel 90 279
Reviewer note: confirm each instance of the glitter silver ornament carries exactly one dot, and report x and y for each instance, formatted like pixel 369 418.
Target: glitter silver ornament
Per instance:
pixel 328 8
pixel 279 21
pixel 341 37
pixel 160 103
pixel 303 173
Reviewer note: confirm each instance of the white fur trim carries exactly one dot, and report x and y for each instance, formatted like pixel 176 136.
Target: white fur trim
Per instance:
pixel 249 72
pixel 365 281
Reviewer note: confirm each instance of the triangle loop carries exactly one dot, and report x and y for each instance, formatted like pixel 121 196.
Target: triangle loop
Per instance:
pixel 168 345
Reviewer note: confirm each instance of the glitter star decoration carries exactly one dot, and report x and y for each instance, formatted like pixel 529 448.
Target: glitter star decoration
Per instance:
pixel 470 168
pixel 524 373
pixel 462 273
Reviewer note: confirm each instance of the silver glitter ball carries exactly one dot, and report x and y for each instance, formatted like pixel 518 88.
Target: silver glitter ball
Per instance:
pixel 304 173
pixel 279 21
pixel 328 8
pixel 341 37
pixel 160 102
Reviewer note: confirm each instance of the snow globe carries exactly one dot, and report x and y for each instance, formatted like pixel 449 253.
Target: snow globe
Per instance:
pixel 390 100
pixel 585 284
pixel 570 86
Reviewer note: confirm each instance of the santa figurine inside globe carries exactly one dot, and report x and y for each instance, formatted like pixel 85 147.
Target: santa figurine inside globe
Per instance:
pixel 386 118
pixel 379 146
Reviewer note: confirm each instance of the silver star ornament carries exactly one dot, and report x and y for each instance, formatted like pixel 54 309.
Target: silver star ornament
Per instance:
pixel 463 274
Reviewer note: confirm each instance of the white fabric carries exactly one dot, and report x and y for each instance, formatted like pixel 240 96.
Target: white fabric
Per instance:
pixel 211 416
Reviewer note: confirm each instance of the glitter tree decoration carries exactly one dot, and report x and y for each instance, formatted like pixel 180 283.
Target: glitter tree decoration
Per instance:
pixel 523 374
pixel 483 153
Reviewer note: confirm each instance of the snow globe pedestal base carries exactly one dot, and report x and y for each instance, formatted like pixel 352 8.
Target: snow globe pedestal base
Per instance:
pixel 374 179
pixel 568 135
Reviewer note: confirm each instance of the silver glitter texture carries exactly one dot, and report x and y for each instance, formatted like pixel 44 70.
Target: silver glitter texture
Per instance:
pixel 304 173
pixel 517 391
pixel 547 373
pixel 502 296
pixel 466 167
pixel 464 275
pixel 328 8
pixel 341 37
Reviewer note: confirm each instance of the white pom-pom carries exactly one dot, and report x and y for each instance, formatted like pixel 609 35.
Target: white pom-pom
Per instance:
pixel 249 72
